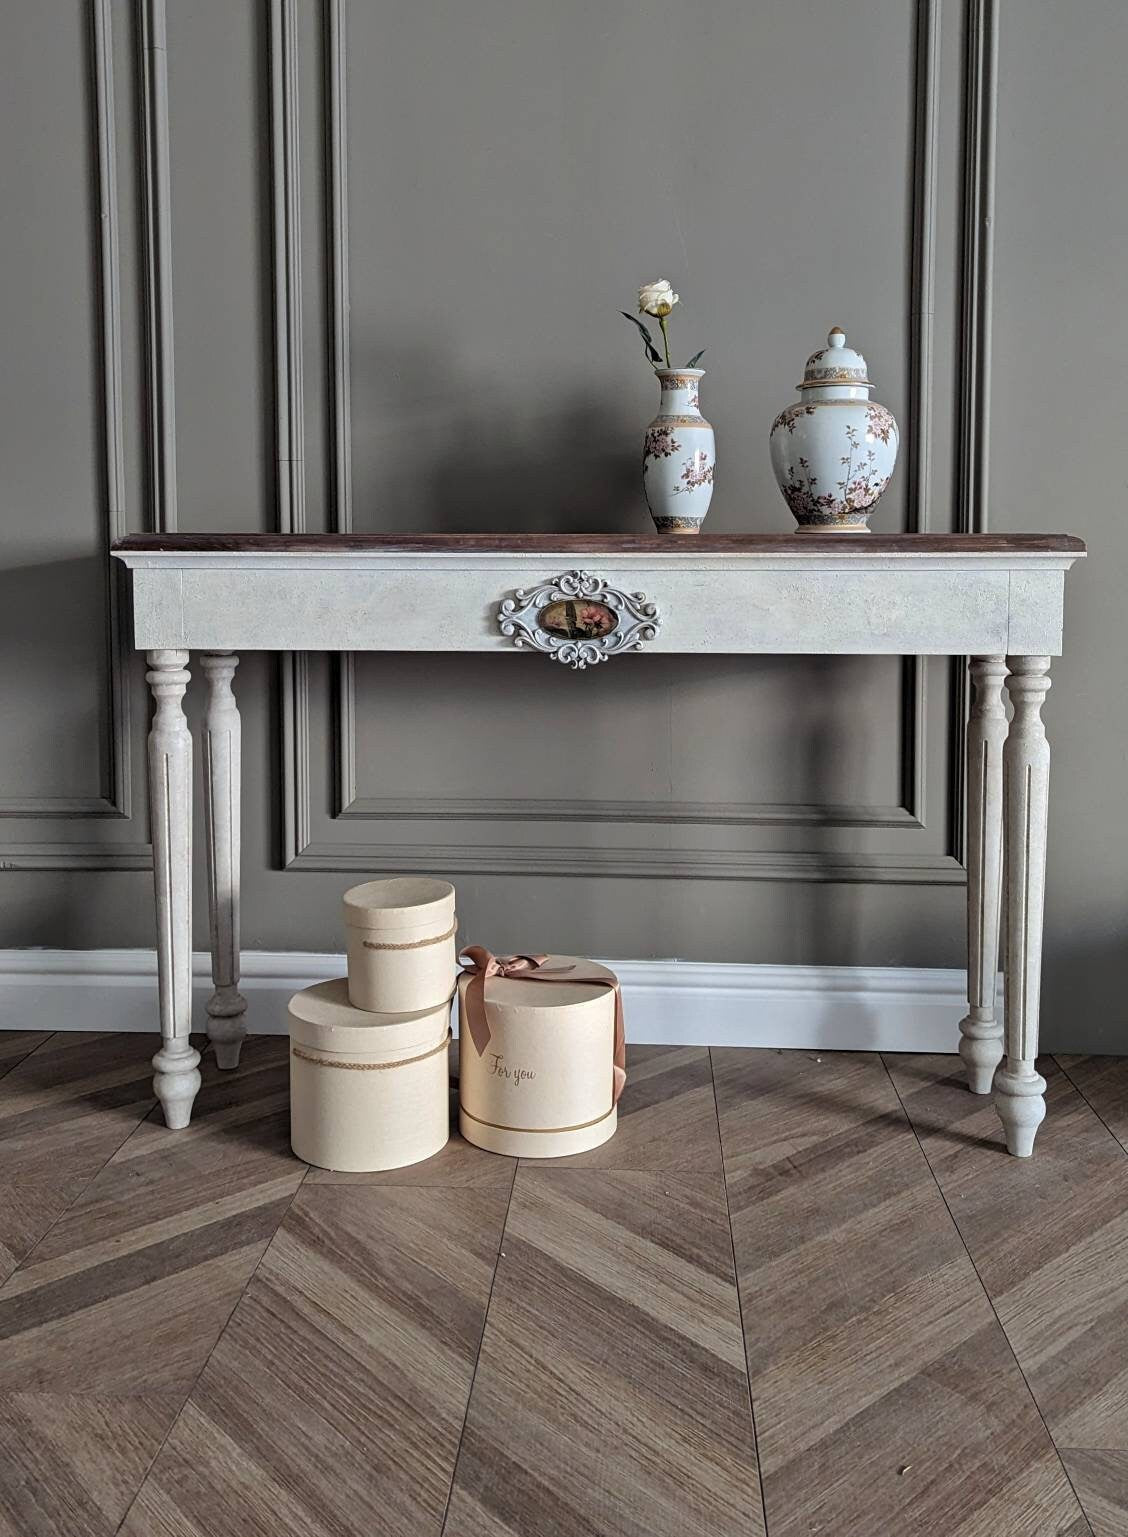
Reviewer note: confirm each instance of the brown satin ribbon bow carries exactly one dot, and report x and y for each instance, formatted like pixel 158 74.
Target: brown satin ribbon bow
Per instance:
pixel 531 968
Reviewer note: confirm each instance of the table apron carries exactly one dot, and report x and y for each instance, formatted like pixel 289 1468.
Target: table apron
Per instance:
pixel 895 611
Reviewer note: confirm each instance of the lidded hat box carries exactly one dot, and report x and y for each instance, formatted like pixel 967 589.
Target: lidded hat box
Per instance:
pixel 400 940
pixel 540 1060
pixel 368 1091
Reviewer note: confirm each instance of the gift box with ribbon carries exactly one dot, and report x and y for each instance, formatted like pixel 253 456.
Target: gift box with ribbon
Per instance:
pixel 541 1054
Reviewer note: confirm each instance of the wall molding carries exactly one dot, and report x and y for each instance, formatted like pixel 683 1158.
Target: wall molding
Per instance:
pixel 668 1002
pixel 286 232
pixel 337 252
pixel 115 801
pixel 563 860
pixel 977 270
pixel 299 849
pixel 156 191
pixel 289 397
pixel 981 72
pixel 665 813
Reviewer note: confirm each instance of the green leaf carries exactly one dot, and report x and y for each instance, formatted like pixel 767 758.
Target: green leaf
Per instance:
pixel 648 342
pixel 696 358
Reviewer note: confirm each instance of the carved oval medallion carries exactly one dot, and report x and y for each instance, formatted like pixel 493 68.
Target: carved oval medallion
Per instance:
pixel 578 619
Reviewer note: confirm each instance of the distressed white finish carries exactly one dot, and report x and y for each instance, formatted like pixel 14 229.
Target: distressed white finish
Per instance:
pixel 731 602
pixel 176 1065
pixel 981 1046
pixel 944 600
pixel 222 744
pixel 1019 1087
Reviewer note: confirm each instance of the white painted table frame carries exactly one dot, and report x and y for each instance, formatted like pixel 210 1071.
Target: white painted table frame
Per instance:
pixel 998 600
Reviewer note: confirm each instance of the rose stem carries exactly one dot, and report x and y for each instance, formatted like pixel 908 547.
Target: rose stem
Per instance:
pixel 665 338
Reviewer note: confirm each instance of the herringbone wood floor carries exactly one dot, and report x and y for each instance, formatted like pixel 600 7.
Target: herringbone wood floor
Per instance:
pixel 795 1295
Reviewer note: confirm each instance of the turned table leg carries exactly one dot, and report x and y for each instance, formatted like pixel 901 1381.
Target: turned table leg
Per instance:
pixel 176 1064
pixel 1019 1087
pixel 226 1007
pixel 981 1042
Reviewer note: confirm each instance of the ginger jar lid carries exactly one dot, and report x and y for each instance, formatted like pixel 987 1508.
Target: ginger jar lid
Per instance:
pixel 835 365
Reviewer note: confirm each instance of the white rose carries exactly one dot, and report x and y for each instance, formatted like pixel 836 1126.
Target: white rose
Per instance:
pixel 656 298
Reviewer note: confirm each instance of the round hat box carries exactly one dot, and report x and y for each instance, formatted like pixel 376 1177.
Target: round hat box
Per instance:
pixel 367 1091
pixel 543 1087
pixel 401 947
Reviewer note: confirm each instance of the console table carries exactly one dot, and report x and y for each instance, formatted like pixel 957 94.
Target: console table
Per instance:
pixel 586 599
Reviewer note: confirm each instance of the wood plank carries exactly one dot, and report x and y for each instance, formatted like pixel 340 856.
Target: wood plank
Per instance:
pixel 234 1158
pixel 67 1102
pixel 15 1045
pixel 1048 1236
pixel 106 1325
pixel 27 1207
pixel 335 1400
pixel 1103 1083
pixel 72 1463
pixel 68 1106
pixel 886 1396
pixel 613 544
pixel 1100 1477
pixel 667 1116
pixel 27 1211
pixel 611 1397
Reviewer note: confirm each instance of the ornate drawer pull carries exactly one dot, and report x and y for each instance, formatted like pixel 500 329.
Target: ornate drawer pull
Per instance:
pixel 578 619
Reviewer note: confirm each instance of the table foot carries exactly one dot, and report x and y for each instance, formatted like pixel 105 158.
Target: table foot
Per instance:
pixel 1021 1103
pixel 981 1049
pixel 176 1081
pixel 226 1010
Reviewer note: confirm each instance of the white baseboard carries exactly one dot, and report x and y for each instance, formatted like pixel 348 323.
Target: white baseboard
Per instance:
pixel 844 1008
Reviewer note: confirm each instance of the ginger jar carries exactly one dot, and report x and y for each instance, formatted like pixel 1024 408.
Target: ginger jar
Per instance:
pixel 834 449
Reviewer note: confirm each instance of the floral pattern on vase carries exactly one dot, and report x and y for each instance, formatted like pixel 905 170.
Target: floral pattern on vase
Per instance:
pixel 659 443
pixel 677 466
pixel 834 450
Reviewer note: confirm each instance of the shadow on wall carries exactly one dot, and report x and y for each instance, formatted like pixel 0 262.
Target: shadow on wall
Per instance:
pixel 450 452
pixel 1078 979
pixel 53 676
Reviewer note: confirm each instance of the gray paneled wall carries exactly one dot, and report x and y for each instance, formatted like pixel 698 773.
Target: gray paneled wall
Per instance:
pixel 316 264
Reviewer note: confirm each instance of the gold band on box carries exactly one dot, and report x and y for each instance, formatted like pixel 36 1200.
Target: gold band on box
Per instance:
pixel 371 1067
pixel 502 1126
pixel 411 944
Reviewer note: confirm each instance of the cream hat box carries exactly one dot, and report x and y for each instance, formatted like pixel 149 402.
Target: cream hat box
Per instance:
pixel 544 1085
pixel 367 1091
pixel 400 939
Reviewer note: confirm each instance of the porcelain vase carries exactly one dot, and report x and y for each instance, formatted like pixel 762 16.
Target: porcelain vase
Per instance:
pixel 678 455
pixel 834 449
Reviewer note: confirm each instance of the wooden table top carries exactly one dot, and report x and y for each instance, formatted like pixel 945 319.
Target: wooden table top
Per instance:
pixel 612 544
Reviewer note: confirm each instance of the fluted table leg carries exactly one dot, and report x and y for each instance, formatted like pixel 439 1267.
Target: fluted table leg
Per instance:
pixel 1019 1087
pixel 981 1042
pixel 226 1007
pixel 176 1064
